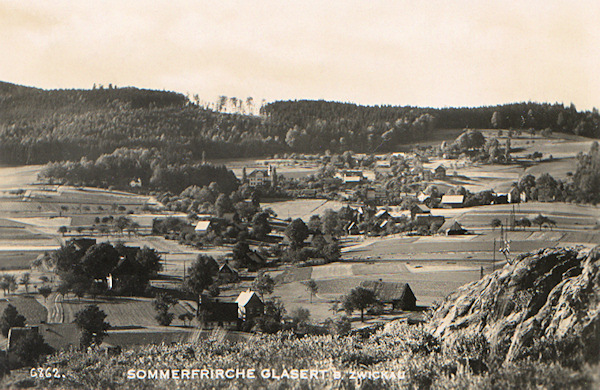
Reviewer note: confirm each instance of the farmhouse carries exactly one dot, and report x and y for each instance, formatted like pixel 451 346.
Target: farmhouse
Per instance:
pixel 419 209
pixel 452 228
pixel 422 197
pixel 226 274
pixel 428 220
pixel 439 172
pixel 249 305
pixel 351 177
pixel 453 201
pixel 515 196
pixel 220 315
pixel 202 227
pixel 352 229
pixel 398 295
pixel 83 244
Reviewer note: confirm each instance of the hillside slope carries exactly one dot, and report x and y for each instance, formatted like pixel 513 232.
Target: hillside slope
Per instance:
pixel 531 325
pixel 38 126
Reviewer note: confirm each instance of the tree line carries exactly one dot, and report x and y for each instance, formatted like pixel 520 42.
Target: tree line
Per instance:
pixel 38 126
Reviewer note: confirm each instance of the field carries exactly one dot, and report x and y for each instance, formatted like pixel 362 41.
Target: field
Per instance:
pixel 302 208
pixel 122 312
pixel 430 283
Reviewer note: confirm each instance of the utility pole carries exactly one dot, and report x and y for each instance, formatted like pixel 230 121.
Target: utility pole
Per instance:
pixel 494 256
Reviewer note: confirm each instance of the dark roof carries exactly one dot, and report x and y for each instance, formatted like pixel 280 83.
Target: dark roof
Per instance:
pixel 256 257
pixel 220 312
pixel 226 269
pixel 255 172
pixel 83 244
pixel 389 291
pixel 452 226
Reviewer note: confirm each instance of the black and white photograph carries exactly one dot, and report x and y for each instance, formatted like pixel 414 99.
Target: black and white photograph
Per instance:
pixel 299 194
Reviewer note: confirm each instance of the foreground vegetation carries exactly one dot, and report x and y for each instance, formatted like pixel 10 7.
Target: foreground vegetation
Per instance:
pixel 470 341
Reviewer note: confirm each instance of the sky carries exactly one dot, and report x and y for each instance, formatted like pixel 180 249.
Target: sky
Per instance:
pixel 420 53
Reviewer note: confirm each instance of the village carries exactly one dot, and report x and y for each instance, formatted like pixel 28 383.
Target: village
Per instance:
pixel 308 244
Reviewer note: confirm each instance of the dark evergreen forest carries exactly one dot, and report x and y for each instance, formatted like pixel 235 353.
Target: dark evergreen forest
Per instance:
pixel 39 126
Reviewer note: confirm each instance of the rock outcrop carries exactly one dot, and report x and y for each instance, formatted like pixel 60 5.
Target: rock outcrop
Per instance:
pixel 551 295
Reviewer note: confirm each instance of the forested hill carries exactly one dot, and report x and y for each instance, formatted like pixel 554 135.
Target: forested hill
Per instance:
pixel 38 126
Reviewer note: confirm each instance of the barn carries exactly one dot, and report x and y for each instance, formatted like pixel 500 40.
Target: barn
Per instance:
pixel 398 295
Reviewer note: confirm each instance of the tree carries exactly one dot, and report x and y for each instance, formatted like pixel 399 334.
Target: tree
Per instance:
pixel 300 317
pixel 495 223
pixel 162 303
pixel 200 275
pixel 339 326
pixel 540 220
pixel 99 260
pixel 296 232
pixel 312 288
pixel 3 285
pixel 359 299
pixel 264 284
pixel 30 348
pixel 45 291
pixel 270 320
pixel 186 317
pixel 93 327
pixel 260 225
pixel 524 222
pixel 122 223
pixel 10 318
pixel 62 230
pixel 25 278
pixel 149 261
pixel 11 283
pixel 331 223
pixel 240 252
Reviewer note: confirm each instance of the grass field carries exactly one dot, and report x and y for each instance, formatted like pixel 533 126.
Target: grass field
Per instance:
pixel 27 306
pixel 302 208
pixel 430 283
pixel 121 312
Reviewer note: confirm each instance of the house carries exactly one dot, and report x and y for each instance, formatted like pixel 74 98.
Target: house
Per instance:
pixel 376 193
pixel 202 227
pixel 255 260
pixel 418 209
pixel 350 177
pixel 439 172
pixel 352 229
pixel 226 274
pixel 249 305
pixel 422 197
pixel 260 177
pixel 453 201
pixel 428 220
pixel 399 215
pixel 83 244
pixel 500 198
pixel 516 196
pixel 382 214
pixel 216 314
pixel 452 228
pixel 398 295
